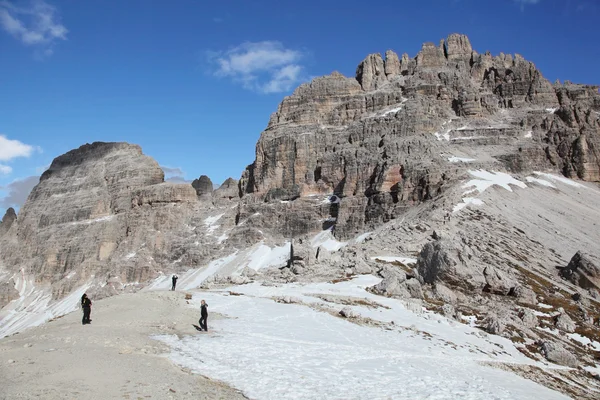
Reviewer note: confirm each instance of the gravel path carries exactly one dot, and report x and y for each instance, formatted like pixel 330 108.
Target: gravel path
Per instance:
pixel 113 358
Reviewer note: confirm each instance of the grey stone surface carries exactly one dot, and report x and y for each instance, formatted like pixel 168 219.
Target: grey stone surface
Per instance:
pixel 565 323
pixel 371 138
pixel 9 217
pixel 555 353
pixel 204 187
pixel 583 271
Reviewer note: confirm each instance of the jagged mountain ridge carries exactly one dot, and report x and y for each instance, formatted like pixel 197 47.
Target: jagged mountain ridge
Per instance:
pixel 382 139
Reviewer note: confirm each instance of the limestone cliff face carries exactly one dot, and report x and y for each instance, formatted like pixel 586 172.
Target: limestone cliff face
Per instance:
pixel 382 139
pixel 101 212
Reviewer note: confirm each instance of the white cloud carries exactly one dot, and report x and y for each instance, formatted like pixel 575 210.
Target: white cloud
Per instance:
pixel 10 149
pixel 172 172
pixel 5 169
pixel 266 67
pixel 35 25
pixel 18 191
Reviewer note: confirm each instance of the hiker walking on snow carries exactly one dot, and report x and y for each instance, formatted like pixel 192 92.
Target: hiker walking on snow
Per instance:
pixel 86 304
pixel 203 315
pixel 174 279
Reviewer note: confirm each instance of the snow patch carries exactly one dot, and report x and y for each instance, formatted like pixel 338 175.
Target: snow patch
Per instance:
pixel 222 238
pixel 326 240
pixel 468 137
pixel 585 341
pixel 265 256
pixel 390 259
pixel 393 110
pixel 35 306
pixel 551 110
pixel 560 179
pixel 528 134
pixel 91 221
pixel 542 305
pixel 459 159
pixel 466 201
pixel 489 179
pixel 211 220
pixel 363 237
pixel 542 182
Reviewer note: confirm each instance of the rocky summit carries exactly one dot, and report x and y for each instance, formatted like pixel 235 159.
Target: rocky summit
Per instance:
pixel 466 183
pixel 390 137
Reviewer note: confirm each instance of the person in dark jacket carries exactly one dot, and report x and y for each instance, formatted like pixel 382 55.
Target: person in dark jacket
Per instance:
pixel 203 315
pixel 174 279
pixel 86 304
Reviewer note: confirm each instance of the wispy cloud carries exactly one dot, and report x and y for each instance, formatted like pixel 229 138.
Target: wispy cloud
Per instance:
pixel 5 169
pixel 175 175
pixel 10 149
pixel 37 24
pixel 218 20
pixel 18 191
pixel 524 3
pixel 265 67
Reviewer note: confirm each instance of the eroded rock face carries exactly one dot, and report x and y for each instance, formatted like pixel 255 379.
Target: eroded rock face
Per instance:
pixel 101 212
pixel 9 217
pixel 227 192
pixel 204 187
pixel 582 271
pixel 379 139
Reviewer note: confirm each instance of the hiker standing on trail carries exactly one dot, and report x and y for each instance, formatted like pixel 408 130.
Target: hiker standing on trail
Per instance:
pixel 86 304
pixel 203 315
pixel 174 279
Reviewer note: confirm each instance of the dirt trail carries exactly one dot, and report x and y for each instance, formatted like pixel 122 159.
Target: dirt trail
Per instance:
pixel 113 358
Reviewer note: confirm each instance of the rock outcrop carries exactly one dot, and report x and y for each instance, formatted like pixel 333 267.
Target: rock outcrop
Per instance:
pixel 103 216
pixel 582 271
pixel 227 192
pixel 9 218
pixel 380 140
pixel 204 187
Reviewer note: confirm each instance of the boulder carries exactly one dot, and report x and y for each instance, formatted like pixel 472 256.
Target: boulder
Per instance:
pixel 583 271
pixel 497 281
pixel 525 295
pixel 494 324
pixel 528 318
pixel 448 311
pixel 414 288
pixel 347 312
pixel 439 261
pixel 564 323
pixel 444 294
pixel 392 284
pixel 558 354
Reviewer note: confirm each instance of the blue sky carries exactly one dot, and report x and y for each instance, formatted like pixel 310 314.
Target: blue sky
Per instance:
pixel 194 82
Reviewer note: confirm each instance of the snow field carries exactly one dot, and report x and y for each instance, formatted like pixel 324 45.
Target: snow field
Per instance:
pixel 271 350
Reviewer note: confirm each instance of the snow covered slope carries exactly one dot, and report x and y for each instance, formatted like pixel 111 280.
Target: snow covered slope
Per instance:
pixel 304 350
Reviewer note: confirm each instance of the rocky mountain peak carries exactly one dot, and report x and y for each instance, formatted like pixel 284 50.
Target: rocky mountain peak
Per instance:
pixel 383 139
pixel 203 186
pixel 9 217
